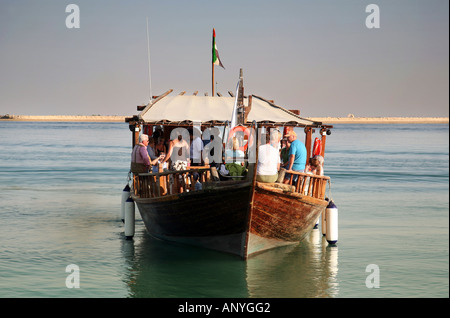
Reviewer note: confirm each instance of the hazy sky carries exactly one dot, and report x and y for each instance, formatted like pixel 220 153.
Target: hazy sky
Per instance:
pixel 316 56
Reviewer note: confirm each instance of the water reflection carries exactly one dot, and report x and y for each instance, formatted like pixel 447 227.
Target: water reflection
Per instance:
pixel 305 270
pixel 161 269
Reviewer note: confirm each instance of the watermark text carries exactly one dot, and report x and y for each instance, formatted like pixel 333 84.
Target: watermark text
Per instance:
pixel 373 279
pixel 73 279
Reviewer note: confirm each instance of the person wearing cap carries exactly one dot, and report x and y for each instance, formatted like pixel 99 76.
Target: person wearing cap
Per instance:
pixel 297 156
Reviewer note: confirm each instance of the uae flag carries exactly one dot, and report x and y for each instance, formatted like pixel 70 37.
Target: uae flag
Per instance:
pixel 215 53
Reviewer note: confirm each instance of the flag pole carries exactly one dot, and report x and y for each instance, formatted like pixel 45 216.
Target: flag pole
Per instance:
pixel 215 59
pixel 212 82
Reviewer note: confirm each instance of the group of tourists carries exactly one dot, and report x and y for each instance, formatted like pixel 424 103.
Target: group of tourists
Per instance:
pixel 152 151
pixel 186 150
pixel 273 163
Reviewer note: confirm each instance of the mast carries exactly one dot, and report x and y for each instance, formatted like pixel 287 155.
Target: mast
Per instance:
pixel 240 99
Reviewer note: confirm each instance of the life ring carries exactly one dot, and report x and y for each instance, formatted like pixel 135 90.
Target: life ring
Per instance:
pixel 246 132
pixel 317 148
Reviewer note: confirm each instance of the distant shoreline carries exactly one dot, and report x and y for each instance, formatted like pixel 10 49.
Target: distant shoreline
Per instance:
pixel 64 118
pixel 381 120
pixel 325 120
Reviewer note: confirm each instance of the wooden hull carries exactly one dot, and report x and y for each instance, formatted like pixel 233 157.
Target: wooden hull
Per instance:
pixel 239 219
pixel 214 218
pixel 280 217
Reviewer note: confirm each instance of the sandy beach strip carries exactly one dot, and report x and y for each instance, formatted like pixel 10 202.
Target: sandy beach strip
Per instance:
pixel 64 118
pixel 325 120
pixel 381 120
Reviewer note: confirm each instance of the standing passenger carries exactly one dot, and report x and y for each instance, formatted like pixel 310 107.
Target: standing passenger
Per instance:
pixel 151 148
pixel 160 146
pixel 297 156
pixel 140 161
pixel 178 152
pixel 196 148
pixel 284 154
pixel 268 160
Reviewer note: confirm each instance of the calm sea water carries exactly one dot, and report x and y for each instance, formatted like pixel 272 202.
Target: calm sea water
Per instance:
pixel 60 193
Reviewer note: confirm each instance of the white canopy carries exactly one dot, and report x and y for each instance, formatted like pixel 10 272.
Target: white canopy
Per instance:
pixel 216 110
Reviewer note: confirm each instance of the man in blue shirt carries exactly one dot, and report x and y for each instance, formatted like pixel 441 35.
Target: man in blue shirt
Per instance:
pixel 297 156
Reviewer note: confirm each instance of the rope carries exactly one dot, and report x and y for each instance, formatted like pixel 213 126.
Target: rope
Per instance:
pixel 129 178
pixel 329 190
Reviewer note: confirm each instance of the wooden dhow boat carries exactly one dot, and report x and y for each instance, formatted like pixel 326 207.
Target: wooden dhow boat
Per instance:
pixel 233 214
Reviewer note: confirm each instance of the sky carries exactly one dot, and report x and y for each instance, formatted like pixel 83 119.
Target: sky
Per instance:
pixel 321 57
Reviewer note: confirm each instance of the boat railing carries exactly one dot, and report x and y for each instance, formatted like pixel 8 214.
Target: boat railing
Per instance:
pixel 309 184
pixel 152 185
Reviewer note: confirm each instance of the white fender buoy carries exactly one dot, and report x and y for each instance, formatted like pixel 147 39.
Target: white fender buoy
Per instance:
pixel 332 223
pixel 129 218
pixel 316 226
pixel 125 196
pixel 324 222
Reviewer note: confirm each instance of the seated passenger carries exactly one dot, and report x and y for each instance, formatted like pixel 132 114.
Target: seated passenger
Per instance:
pixel 315 166
pixel 268 161
pixel 235 170
pixel 235 152
pixel 197 185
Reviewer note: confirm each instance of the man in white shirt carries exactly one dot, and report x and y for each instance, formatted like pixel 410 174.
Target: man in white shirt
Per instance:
pixel 268 161
pixel 196 149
